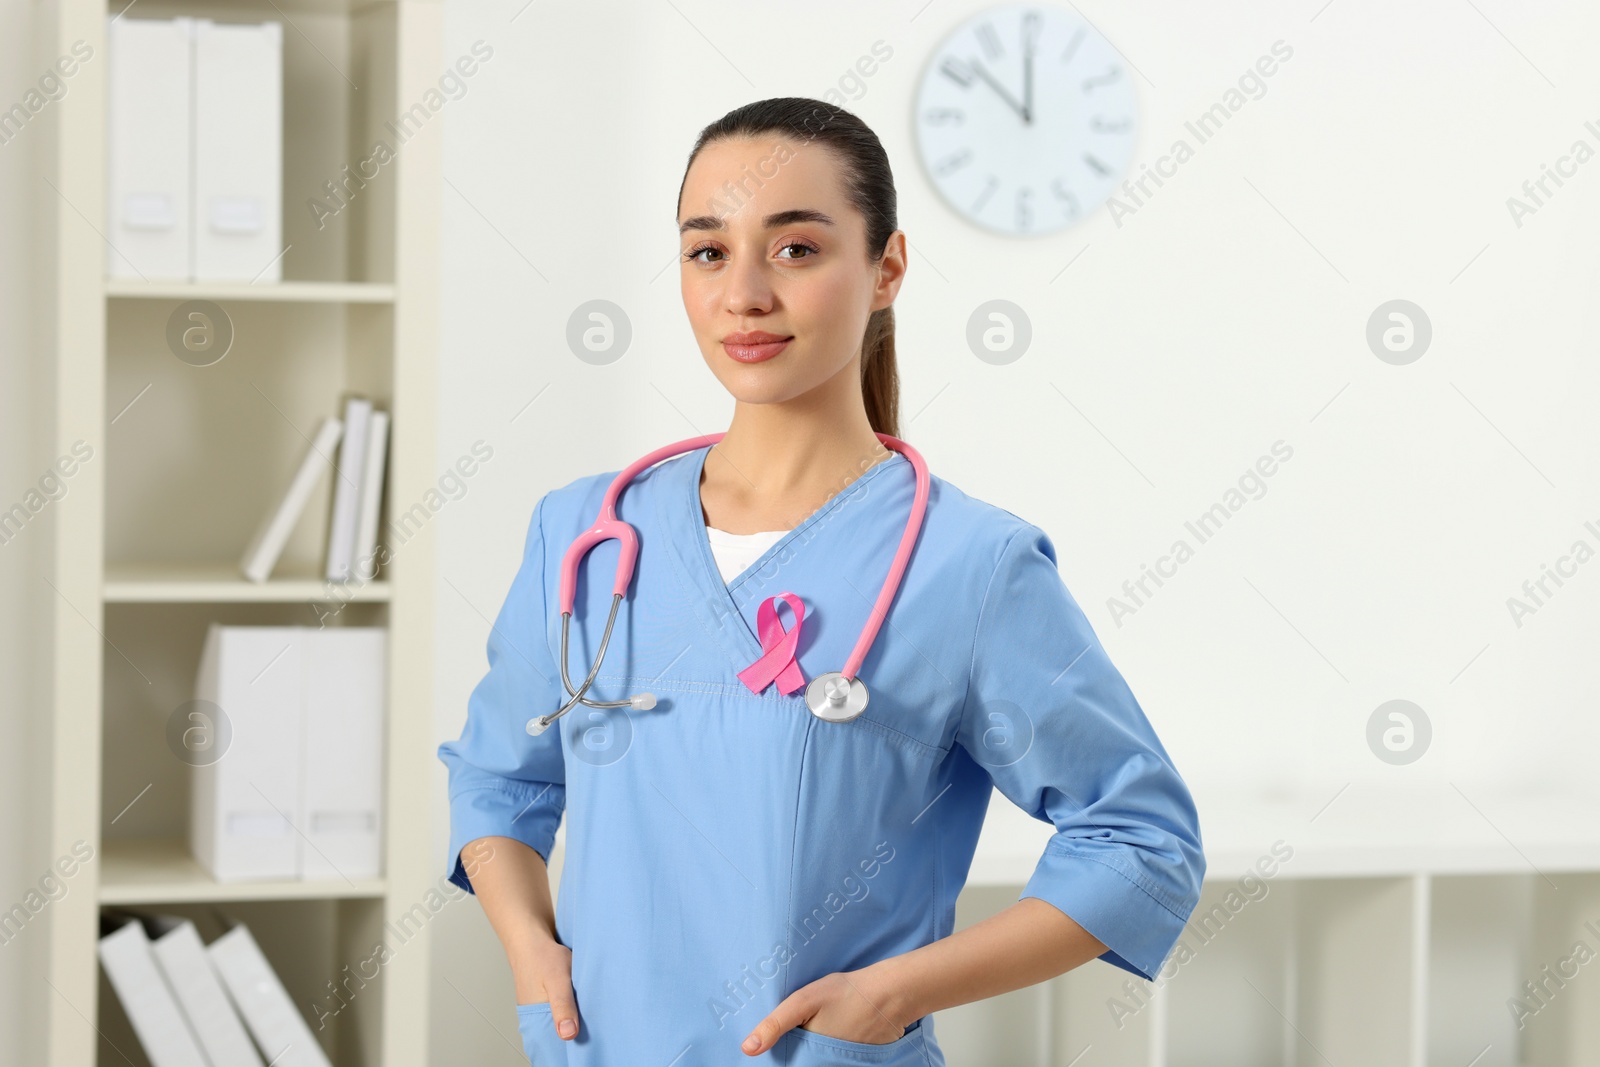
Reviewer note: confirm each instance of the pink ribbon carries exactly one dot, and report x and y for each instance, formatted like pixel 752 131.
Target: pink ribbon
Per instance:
pixel 778 647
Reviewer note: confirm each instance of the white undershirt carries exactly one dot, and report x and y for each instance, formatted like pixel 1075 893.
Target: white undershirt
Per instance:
pixel 734 552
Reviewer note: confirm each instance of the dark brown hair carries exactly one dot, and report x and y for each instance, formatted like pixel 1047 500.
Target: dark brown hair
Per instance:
pixel 869 185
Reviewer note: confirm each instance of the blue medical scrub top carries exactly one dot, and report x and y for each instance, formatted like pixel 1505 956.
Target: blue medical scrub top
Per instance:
pixel 726 847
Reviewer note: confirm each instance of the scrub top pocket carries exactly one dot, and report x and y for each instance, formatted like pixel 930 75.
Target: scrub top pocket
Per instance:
pixel 543 1046
pixel 818 1050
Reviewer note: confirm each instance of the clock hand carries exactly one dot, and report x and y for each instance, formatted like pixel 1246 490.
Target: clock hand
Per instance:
pixel 978 69
pixel 1027 88
pixel 1030 36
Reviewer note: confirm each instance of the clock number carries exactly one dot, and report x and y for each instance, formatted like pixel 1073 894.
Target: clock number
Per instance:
pixel 1100 125
pixel 983 198
pixel 1072 46
pixel 1108 78
pixel 940 116
pixel 956 71
pixel 990 41
pixel 1070 199
pixel 1024 208
pixel 1096 166
pixel 1030 31
pixel 953 162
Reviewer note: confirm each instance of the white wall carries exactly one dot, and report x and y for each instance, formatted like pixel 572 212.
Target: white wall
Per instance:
pixel 1227 313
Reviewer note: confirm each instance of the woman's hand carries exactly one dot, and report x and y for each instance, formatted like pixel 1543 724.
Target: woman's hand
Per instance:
pixel 513 886
pixel 850 1005
pixel 542 969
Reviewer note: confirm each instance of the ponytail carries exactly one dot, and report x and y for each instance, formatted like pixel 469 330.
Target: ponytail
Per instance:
pixel 880 379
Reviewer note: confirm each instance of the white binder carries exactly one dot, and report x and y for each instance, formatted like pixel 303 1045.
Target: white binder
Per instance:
pixel 347 489
pixel 342 785
pixel 199 992
pixel 148 101
pixel 238 151
pixel 364 562
pixel 276 1024
pixel 151 1007
pixel 261 555
pixel 243 805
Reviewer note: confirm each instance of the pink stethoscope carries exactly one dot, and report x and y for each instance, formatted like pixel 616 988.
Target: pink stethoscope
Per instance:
pixel 837 696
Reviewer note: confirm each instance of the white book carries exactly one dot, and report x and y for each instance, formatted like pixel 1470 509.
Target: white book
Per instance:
pixel 365 562
pixel 347 489
pixel 242 823
pixel 267 545
pixel 194 981
pixel 151 1007
pixel 238 151
pixel 285 1038
pixel 342 785
pixel 148 99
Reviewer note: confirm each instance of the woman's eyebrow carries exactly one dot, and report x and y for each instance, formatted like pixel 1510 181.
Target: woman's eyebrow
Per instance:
pixel 779 218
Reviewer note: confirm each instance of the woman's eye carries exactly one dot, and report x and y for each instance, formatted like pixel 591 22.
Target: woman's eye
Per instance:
pixel 695 254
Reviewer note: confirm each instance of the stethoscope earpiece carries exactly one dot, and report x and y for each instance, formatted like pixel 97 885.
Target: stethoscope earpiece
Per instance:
pixel 638 702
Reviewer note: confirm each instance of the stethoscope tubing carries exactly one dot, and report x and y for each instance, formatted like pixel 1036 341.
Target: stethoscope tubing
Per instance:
pixel 608 527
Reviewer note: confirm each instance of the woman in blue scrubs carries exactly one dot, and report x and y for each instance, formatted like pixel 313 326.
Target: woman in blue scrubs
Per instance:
pixel 741 877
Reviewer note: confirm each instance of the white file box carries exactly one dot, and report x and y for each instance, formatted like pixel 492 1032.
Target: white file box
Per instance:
pixel 238 151
pixel 243 801
pixel 342 787
pixel 148 102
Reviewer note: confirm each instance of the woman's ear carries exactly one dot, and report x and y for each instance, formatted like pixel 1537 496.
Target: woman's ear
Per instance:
pixel 891 270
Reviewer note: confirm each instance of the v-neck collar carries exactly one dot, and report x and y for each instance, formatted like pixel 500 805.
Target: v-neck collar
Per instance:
pixel 715 598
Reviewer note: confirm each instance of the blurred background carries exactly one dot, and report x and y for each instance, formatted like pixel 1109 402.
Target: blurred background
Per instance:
pixel 1290 350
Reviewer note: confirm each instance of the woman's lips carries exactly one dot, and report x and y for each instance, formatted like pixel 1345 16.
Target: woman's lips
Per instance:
pixel 755 353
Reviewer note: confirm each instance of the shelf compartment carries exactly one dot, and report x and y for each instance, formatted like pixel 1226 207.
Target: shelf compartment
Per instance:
pixel 339 91
pixel 291 292
pixel 1356 975
pixel 221 583
pixel 196 457
pixel 152 656
pixel 321 949
pixel 1477 932
pixel 1228 981
pixel 142 871
pixel 1565 1027
pixel 1085 1030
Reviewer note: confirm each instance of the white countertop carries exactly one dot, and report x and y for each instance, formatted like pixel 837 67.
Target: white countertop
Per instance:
pixel 1355 829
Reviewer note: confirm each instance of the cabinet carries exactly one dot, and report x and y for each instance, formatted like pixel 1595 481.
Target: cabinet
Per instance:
pixel 1403 930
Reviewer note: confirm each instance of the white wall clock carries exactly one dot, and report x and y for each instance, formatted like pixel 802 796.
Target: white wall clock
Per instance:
pixel 1025 119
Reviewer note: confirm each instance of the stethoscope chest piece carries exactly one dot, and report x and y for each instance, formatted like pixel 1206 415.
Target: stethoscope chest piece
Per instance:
pixel 835 698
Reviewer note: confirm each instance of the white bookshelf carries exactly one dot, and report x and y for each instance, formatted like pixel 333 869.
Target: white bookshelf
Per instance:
pixel 1393 937
pixel 144 548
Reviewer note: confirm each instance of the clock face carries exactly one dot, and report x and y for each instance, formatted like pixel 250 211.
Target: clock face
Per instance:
pixel 1025 119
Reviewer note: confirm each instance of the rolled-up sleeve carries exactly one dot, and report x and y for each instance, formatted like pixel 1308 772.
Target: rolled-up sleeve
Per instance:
pixel 505 782
pixel 1062 736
